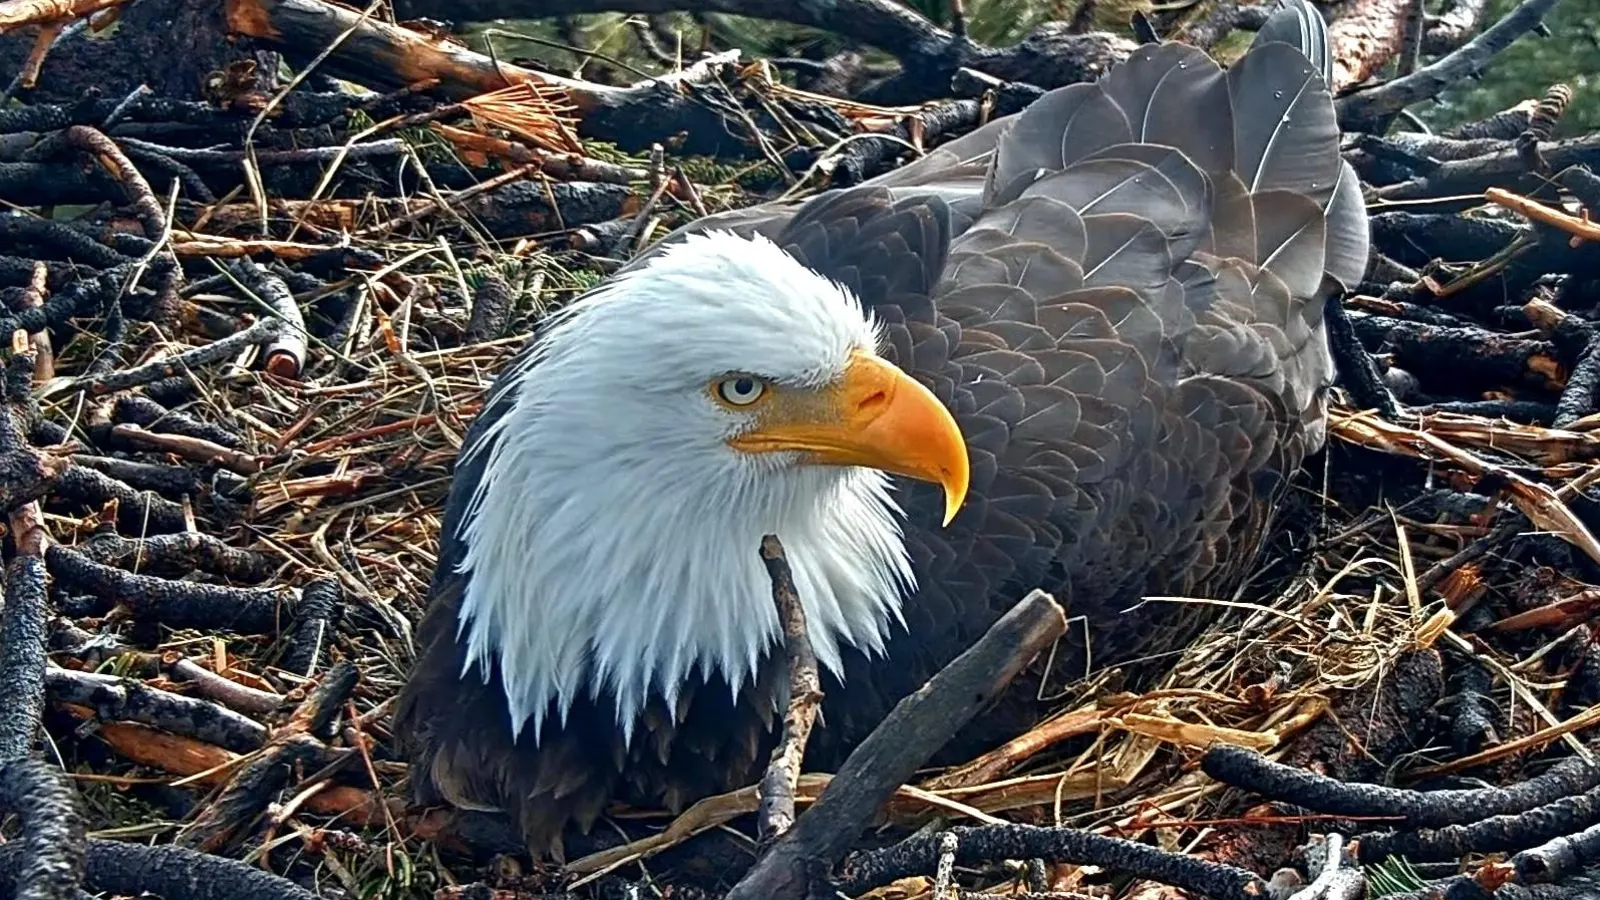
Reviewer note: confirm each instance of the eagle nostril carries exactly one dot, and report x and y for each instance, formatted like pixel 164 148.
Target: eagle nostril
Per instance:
pixel 873 402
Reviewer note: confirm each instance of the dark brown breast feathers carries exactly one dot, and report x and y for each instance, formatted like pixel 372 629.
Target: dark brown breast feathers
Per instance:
pixel 1120 294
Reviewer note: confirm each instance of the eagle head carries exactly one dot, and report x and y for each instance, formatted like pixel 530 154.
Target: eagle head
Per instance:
pixel 657 428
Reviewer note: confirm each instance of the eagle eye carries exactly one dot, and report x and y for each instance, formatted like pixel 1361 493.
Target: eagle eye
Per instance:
pixel 739 390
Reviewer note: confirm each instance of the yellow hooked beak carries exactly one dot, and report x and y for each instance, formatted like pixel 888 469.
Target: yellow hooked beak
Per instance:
pixel 877 417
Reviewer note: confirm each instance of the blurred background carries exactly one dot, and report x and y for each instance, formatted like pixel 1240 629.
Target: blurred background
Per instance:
pixel 1571 54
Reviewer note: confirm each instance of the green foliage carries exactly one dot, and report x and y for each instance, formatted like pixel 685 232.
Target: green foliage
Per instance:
pixel 404 881
pixel 997 22
pixel 1530 66
pixel 1393 876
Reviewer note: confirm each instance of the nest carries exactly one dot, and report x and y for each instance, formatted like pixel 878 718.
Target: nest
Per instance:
pixel 239 378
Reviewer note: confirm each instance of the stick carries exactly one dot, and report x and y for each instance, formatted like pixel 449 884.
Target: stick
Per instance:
pixel 22 637
pixel 216 351
pixel 1535 211
pixel 198 449
pixel 129 869
pixel 207 684
pixel 1242 768
pixel 176 604
pixel 912 732
pixel 1429 81
pixel 50 852
pixel 286 354
pixel 115 699
pixel 805 696
pixel 151 216
pixel 990 843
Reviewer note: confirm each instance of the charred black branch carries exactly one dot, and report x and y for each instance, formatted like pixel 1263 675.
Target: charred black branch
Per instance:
pixel 989 843
pixel 912 732
pixel 177 554
pixel 118 699
pixel 214 352
pixel 22 655
pixel 1502 169
pixel 147 413
pixel 172 481
pixel 1571 813
pixel 1051 55
pixel 250 790
pixel 1222 20
pixel 27 475
pixel 48 860
pixel 321 606
pixel 94 649
pixel 1559 858
pixel 305 155
pixel 491 309
pixel 1418 238
pixel 176 604
pixel 1491 359
pixel 1355 365
pixel 884 24
pixel 138 512
pixel 56 236
pixel 1473 715
pixel 1275 781
pixel 1581 395
pixel 868 156
pixel 169 872
pixel 286 354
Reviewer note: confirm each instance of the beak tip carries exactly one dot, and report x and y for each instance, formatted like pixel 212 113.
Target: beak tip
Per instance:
pixel 955 495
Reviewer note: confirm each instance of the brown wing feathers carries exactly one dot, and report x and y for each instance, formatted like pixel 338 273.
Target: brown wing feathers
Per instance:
pixel 1138 348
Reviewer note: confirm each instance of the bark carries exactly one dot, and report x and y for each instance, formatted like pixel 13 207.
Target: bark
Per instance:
pixel 1365 38
pixel 170 46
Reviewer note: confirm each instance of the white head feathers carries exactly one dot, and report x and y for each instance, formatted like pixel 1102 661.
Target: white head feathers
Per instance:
pixel 613 539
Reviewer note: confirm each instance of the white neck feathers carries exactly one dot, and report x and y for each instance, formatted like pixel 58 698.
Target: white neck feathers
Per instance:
pixel 613 542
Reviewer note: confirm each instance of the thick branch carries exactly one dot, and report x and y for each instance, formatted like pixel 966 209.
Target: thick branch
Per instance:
pixel 385 56
pixel 1364 39
pixel 1430 81
pixel 49 855
pixel 176 873
pixel 22 654
pixel 117 699
pixel 912 732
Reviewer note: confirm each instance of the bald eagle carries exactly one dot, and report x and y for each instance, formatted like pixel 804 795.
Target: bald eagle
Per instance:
pixel 1081 348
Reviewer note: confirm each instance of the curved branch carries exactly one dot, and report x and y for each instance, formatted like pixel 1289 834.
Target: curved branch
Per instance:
pixel 175 873
pixel 1391 97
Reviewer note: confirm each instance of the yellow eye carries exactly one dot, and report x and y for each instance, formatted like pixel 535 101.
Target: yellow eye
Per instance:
pixel 740 390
